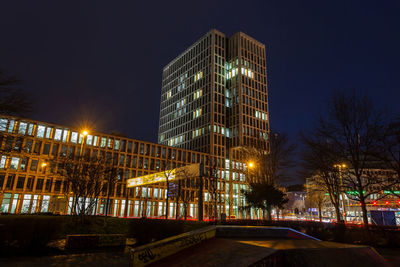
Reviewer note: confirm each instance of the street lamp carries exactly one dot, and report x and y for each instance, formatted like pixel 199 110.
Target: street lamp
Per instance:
pixel 84 133
pixel 250 165
pixel 340 167
pixel 43 166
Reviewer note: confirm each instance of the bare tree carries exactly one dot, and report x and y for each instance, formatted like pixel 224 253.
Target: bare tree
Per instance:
pixel 84 179
pixel 389 153
pixel 213 190
pixel 185 175
pixel 271 166
pixel 168 175
pixel 350 126
pixel 13 101
pixel 315 198
pixel 318 161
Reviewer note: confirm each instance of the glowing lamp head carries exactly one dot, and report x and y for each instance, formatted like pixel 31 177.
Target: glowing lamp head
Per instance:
pixel 251 164
pixel 44 164
pixel 374 203
pixel 85 132
pixel 386 202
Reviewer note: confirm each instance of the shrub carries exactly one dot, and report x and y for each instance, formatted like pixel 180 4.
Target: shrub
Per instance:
pixel 28 234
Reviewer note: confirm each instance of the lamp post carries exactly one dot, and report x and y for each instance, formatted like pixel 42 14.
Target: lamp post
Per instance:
pixel 340 167
pixel 250 165
pixel 84 133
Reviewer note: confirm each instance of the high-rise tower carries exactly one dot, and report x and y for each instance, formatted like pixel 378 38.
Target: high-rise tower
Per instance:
pixel 214 95
pixel 214 100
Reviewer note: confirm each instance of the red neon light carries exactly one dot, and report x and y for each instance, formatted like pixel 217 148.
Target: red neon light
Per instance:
pixel 374 203
pixel 386 202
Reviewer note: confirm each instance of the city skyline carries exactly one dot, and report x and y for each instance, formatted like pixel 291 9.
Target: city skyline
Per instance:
pixel 98 65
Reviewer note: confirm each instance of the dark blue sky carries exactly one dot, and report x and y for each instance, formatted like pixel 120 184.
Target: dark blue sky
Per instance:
pixel 101 61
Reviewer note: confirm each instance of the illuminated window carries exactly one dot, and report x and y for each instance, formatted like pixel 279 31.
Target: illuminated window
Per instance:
pixel 11 126
pixel 232 73
pixel 48 132
pixel 40 131
pixel 3 162
pixel 227 132
pixel 247 72
pixel 22 127
pixel 169 94
pixel 14 163
pixel 103 142
pixel 176 140
pixel 74 137
pixel 197 94
pixel 116 147
pixel 95 140
pixel 260 115
pixel 198 76
pixel 3 125
pixel 89 139
pixel 197 113
pixel 30 128
pixel 197 132
pixel 65 135
pixel 57 135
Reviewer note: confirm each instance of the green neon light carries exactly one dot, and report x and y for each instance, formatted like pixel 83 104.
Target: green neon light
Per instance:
pixel 388 192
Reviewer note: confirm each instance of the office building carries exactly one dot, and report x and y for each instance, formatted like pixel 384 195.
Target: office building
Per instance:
pixel 30 182
pixel 214 99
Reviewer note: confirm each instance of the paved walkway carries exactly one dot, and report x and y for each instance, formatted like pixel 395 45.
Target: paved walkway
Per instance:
pixel 119 258
pixel 242 252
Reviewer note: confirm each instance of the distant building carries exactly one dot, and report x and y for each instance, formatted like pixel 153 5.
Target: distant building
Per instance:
pixel 296 204
pixel 382 200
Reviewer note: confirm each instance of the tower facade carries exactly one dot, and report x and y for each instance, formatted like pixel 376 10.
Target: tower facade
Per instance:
pixel 214 99
pixel 214 96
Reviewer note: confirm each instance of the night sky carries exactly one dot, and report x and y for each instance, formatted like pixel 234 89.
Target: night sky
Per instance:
pixel 100 62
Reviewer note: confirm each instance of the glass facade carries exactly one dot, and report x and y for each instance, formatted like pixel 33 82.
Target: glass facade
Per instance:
pixel 29 175
pixel 214 99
